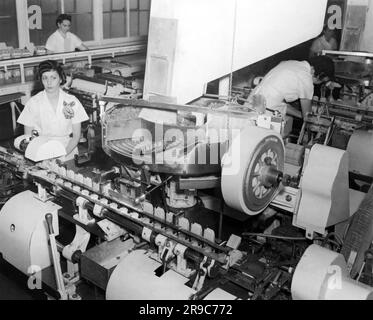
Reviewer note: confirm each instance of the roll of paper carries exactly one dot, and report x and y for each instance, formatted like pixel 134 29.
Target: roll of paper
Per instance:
pixel 135 278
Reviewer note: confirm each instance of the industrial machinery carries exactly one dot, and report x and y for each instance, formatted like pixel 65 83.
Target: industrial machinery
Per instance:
pixel 200 200
pixel 342 111
pixel 152 211
pixel 116 77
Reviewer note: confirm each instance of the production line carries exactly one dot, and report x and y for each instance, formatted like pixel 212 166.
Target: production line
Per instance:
pixel 163 242
pixel 180 195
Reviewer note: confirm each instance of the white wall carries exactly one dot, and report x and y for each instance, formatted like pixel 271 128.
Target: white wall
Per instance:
pixel 192 42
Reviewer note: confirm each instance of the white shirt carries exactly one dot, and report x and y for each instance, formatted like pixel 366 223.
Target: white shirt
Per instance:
pixel 57 43
pixel 39 114
pixel 287 82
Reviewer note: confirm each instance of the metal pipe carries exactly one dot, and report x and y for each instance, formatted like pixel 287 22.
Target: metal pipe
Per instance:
pixel 341 105
pixel 171 107
pixel 348 53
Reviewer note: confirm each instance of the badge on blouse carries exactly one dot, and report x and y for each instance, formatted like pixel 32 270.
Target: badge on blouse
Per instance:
pixel 68 110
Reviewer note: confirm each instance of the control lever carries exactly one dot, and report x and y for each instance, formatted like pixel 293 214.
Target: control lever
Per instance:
pixel 56 258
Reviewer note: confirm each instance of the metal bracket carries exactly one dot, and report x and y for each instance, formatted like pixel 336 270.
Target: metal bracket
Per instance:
pixel 203 270
pixel 43 195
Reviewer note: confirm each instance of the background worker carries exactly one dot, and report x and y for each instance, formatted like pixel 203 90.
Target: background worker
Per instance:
pixel 62 40
pixel 293 80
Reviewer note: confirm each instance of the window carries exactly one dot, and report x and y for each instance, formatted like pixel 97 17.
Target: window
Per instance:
pixel 8 23
pixel 144 15
pixel 115 15
pixel 139 17
pixel 81 18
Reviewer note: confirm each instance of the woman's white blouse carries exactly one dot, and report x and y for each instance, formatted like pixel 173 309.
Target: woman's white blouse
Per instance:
pixel 39 114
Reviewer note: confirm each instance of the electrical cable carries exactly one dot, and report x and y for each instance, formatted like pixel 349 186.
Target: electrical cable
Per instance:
pixel 330 241
pixel 337 238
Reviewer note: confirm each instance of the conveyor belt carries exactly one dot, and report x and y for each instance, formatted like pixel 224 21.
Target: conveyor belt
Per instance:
pixel 128 222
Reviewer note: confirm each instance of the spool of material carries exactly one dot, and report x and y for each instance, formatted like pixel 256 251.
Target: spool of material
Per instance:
pixel 23 231
pixel 44 148
pixel 135 278
pixel 254 158
pixel 325 192
pixel 322 274
pixel 220 294
pixel 360 151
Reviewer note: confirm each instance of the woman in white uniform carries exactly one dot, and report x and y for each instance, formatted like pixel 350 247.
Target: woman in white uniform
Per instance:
pixel 52 112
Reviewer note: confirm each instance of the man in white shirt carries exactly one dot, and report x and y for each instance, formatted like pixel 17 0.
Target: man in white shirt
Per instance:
pixel 292 80
pixel 62 40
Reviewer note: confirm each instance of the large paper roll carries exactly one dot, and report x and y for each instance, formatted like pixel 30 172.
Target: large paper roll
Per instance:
pixel 23 231
pixel 44 148
pixel 322 274
pixel 135 278
pixel 220 294
pixel 254 155
pixel 325 193
pixel 360 151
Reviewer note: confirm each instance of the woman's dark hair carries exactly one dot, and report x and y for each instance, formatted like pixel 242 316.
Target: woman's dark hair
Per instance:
pixel 324 66
pixel 62 17
pixel 49 65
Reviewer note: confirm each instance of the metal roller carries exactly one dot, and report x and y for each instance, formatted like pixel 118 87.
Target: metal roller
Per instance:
pixel 252 170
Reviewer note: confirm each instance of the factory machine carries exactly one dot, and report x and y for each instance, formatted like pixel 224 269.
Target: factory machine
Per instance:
pixel 151 224
pixel 122 76
pixel 348 103
pixel 189 201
